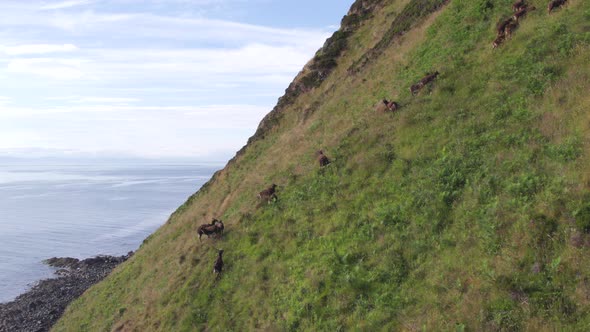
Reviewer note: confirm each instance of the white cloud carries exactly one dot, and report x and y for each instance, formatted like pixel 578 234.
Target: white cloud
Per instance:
pixel 254 63
pixel 140 130
pixel 5 101
pixel 254 60
pixel 60 69
pixel 90 100
pixel 37 49
pixel 129 26
pixel 90 77
pixel 20 139
pixel 65 4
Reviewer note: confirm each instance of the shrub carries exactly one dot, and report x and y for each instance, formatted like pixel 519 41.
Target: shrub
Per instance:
pixel 568 151
pixel 526 186
pixel 582 216
pixel 503 315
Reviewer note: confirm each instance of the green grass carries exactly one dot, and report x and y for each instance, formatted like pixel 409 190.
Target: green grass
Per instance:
pixel 467 210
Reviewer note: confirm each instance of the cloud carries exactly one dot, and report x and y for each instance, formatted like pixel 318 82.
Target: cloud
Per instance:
pixel 129 26
pixel 250 63
pixel 96 100
pixel 139 130
pixel 209 111
pixel 5 101
pixel 60 69
pixel 213 67
pixel 120 75
pixel 37 49
pixel 66 4
pixel 20 139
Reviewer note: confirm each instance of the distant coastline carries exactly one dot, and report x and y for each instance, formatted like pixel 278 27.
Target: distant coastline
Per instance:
pixel 41 306
pixel 82 211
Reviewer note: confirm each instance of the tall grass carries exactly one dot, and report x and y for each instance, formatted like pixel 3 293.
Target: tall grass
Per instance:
pixel 466 210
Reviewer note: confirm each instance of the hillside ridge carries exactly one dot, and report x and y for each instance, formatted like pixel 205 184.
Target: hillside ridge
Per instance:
pixel 466 208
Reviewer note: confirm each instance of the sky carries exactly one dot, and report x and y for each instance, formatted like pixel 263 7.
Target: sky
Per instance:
pixel 149 78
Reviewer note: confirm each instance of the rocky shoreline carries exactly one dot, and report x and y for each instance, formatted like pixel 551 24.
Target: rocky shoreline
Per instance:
pixel 39 308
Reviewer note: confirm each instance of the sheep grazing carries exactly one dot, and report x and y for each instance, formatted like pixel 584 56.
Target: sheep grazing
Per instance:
pixel 206 229
pixel 322 159
pixel 268 193
pixel 391 105
pixel 554 4
pixel 523 11
pixel 498 41
pixel 429 78
pixel 414 89
pixel 504 29
pixel 518 5
pixel 216 227
pixel 220 226
pixel 502 26
pixel 381 107
pixel 510 29
pixel 218 267
pixel 385 106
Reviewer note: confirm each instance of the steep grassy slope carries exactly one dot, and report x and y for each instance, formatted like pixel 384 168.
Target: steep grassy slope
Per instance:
pixel 469 209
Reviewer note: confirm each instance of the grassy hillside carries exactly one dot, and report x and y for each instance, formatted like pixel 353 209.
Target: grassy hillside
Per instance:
pixel 467 210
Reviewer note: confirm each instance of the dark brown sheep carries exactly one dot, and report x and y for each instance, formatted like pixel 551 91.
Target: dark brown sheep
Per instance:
pixel 498 41
pixel 381 107
pixel 510 28
pixel 218 267
pixel 216 227
pixel 554 4
pixel 322 158
pixel 518 5
pixel 506 25
pixel 501 28
pixel 391 105
pixel 385 106
pixel 523 11
pixel 414 89
pixel 429 78
pixel 220 226
pixel 268 193
pixel 206 229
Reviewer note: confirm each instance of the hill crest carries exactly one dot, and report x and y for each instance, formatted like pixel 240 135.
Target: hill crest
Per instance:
pixel 465 209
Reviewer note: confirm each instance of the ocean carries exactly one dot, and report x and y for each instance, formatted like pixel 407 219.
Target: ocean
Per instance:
pixel 82 211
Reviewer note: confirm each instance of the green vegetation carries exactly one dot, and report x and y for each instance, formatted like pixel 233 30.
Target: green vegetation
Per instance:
pixel 467 210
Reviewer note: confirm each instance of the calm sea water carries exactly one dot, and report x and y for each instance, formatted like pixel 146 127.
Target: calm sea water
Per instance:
pixel 82 211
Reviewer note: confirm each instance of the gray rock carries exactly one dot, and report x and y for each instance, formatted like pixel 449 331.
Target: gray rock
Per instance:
pixel 39 308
